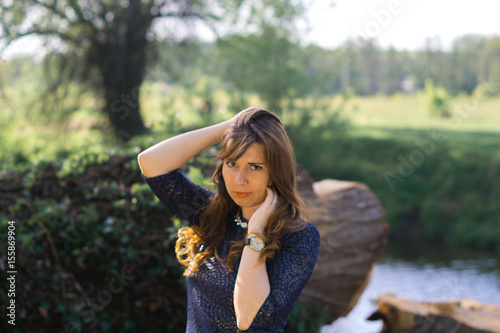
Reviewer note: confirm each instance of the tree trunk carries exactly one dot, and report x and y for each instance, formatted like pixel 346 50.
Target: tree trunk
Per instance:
pixel 122 69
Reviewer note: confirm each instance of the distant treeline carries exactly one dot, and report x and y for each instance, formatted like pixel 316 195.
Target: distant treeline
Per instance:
pixel 277 67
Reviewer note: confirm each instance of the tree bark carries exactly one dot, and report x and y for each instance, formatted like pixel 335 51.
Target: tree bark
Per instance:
pixel 463 315
pixel 122 67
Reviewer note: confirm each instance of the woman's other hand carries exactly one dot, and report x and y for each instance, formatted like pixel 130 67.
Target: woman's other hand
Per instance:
pixel 259 218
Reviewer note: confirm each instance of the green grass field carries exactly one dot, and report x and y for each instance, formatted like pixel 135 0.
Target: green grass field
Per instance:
pixel 473 127
pixel 475 124
pixel 400 111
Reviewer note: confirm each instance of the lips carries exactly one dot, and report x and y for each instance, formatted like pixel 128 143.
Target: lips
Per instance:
pixel 242 194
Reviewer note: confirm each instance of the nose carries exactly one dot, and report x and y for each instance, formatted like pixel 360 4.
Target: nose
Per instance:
pixel 241 177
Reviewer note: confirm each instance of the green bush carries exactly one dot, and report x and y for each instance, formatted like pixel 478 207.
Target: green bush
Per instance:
pixel 94 249
pixel 438 99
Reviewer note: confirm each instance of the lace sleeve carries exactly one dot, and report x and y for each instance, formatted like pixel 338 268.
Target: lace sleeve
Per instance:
pixel 288 274
pixel 183 197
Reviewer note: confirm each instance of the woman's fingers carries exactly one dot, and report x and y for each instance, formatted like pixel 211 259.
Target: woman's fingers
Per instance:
pixel 271 198
pixel 252 108
pixel 265 210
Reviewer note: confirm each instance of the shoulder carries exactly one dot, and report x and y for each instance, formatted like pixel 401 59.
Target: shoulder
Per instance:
pixel 183 197
pixel 307 235
pixel 174 180
pixel 300 247
pixel 305 229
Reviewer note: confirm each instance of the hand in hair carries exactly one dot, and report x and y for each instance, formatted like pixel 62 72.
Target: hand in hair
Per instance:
pixel 259 218
pixel 252 108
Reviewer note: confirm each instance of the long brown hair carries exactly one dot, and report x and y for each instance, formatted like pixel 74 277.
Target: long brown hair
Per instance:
pixel 254 126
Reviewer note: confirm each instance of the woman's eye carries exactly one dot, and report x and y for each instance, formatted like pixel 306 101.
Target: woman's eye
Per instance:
pixel 231 164
pixel 256 167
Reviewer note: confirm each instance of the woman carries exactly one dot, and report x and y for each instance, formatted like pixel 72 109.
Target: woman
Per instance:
pixel 247 252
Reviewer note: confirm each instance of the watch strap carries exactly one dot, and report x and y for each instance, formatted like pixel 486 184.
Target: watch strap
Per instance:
pixel 248 242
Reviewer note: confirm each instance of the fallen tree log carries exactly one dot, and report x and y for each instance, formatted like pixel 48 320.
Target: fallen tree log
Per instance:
pixel 460 316
pixel 353 231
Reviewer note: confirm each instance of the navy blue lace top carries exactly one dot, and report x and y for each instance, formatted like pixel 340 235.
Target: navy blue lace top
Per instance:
pixel 210 288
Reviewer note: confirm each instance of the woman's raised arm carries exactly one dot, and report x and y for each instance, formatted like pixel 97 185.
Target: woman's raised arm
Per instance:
pixel 172 153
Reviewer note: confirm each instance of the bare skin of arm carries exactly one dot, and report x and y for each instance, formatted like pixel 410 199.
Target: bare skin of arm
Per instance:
pixel 252 282
pixel 173 153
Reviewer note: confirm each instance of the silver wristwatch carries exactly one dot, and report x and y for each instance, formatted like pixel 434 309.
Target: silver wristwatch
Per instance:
pixel 255 243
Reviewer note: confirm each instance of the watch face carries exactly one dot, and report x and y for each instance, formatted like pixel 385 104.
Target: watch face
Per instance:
pixel 257 243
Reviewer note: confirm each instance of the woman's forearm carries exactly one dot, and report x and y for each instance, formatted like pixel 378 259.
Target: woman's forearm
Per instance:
pixel 252 282
pixel 174 152
pixel 251 289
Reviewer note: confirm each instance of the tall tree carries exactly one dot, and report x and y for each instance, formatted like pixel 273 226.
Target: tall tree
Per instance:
pixel 264 64
pixel 265 61
pixel 391 72
pixel 107 40
pixel 466 63
pixel 490 60
pixel 371 67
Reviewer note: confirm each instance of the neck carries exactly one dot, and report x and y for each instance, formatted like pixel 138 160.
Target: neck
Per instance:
pixel 247 212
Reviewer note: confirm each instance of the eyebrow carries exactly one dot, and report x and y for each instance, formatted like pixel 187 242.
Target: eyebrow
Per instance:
pixel 261 163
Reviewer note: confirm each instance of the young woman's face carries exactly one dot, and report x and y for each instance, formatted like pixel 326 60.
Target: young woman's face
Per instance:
pixel 247 179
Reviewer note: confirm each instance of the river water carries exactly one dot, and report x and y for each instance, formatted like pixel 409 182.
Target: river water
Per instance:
pixel 424 273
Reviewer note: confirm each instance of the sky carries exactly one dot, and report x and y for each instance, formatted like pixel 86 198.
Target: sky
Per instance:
pixel 403 24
